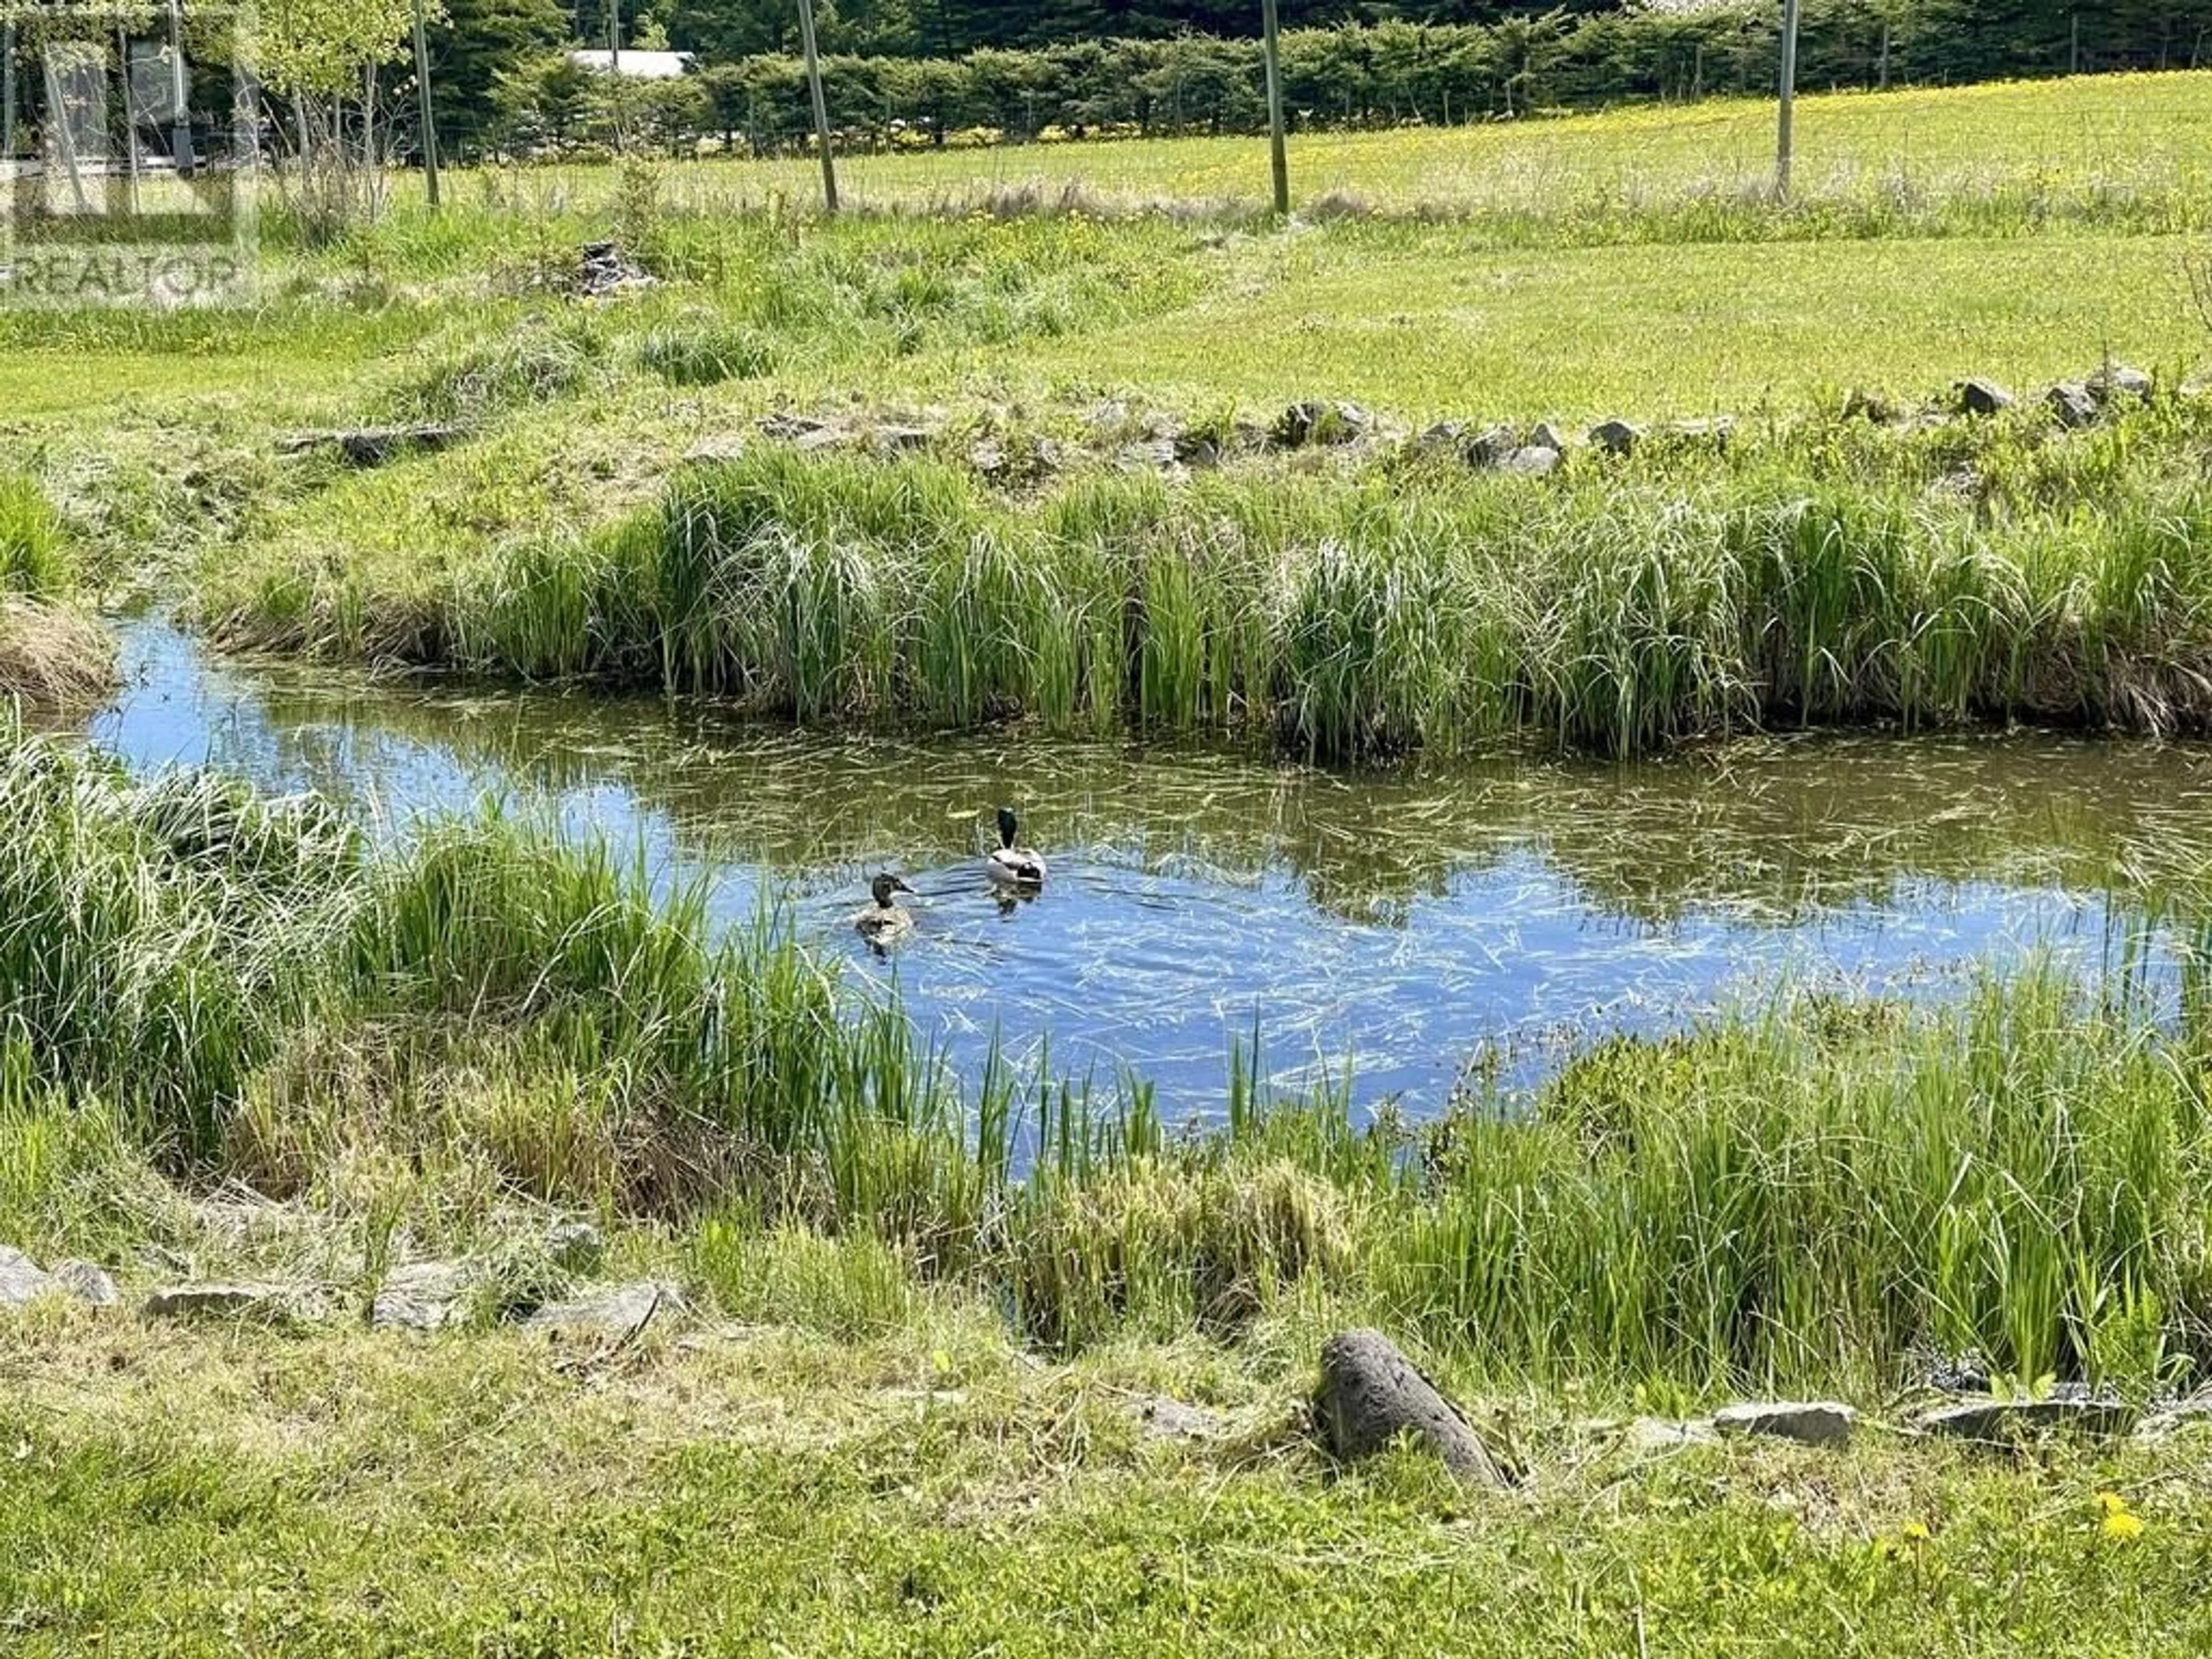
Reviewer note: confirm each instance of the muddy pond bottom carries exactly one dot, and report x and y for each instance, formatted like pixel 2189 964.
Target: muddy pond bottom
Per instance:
pixel 1402 924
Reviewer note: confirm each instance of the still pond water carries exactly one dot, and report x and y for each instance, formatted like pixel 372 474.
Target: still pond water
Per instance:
pixel 1406 921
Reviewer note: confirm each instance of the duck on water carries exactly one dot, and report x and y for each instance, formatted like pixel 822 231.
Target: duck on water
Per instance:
pixel 883 920
pixel 1009 864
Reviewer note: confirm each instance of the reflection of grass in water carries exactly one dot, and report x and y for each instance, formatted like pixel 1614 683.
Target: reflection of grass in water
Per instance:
pixel 241 990
pixel 1777 828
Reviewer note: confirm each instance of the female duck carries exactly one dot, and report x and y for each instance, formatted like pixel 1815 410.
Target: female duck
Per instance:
pixel 884 920
pixel 1011 866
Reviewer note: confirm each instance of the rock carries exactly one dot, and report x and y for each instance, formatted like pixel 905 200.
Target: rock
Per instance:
pixel 21 1279
pixel 575 1247
pixel 1371 1393
pixel 2005 1422
pixel 1321 424
pixel 601 270
pixel 1616 437
pixel 902 439
pixel 617 1312
pixel 2071 406
pixel 2114 381
pixel 1050 457
pixel 988 457
pixel 1491 446
pixel 1154 454
pixel 422 1296
pixel 2173 1418
pixel 1164 1418
pixel 790 428
pixel 1112 417
pixel 373 445
pixel 1979 397
pixel 1810 1422
pixel 276 1303
pixel 88 1284
pixel 1534 459
pixel 1441 439
pixel 1658 1434
pixel 1547 436
pixel 1198 448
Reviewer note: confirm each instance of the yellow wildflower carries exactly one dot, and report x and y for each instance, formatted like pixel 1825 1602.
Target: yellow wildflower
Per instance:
pixel 2122 1525
pixel 2110 1503
pixel 1913 1533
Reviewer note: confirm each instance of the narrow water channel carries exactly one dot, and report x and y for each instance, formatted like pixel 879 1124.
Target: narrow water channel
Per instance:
pixel 1405 922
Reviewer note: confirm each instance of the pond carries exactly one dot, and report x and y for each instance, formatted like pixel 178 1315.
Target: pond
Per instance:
pixel 1404 922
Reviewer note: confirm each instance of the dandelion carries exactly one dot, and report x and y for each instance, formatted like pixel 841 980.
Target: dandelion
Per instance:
pixel 2118 1522
pixel 1912 1532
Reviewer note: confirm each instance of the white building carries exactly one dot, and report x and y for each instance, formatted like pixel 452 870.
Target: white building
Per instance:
pixel 641 65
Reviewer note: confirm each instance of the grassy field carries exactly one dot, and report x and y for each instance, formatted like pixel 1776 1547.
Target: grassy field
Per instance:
pixel 2121 148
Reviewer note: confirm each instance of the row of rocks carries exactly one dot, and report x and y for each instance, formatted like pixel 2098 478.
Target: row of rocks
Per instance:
pixel 1372 1397
pixel 2072 404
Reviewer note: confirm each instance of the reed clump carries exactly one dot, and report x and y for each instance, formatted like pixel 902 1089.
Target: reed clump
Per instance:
pixel 1350 616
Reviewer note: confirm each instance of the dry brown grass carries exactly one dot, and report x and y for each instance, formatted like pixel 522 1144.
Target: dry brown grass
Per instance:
pixel 53 656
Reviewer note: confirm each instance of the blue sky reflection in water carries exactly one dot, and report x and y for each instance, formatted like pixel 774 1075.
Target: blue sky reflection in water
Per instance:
pixel 1402 920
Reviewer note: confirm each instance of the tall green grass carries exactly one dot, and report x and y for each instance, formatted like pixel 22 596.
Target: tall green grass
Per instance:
pixel 35 558
pixel 1351 616
pixel 1815 1194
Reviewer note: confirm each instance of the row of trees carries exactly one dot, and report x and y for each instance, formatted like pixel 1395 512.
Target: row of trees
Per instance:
pixel 2134 33
pixel 1382 73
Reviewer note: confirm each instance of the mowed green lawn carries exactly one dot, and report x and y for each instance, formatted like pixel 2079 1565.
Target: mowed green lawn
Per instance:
pixel 1427 324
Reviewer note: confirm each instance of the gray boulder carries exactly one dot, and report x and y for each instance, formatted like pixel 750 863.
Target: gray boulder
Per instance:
pixel 1810 1422
pixel 902 439
pixel 2071 406
pixel 615 1312
pixel 89 1284
pixel 1441 439
pixel 1371 1395
pixel 1647 1435
pixel 2007 1422
pixel 275 1303
pixel 2173 1418
pixel 1534 458
pixel 788 428
pixel 1979 397
pixel 422 1296
pixel 1164 1418
pixel 21 1279
pixel 1320 422
pixel 1547 436
pixel 373 445
pixel 1491 446
pixel 2114 381
pixel 1616 437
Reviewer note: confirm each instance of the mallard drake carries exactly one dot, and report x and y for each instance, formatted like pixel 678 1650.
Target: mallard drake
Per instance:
pixel 883 920
pixel 1009 865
